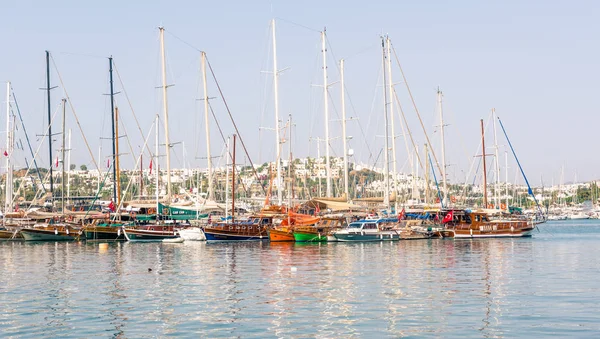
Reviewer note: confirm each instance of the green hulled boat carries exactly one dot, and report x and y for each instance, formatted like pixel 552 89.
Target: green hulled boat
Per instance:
pixel 320 231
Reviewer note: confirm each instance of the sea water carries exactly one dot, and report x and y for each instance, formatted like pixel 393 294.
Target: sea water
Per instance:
pixel 543 286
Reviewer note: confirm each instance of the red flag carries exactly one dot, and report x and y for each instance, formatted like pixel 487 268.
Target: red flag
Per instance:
pixel 437 217
pixel 56 161
pixel 448 217
pixel 402 215
pixel 5 153
pixel 107 163
pixel 150 166
pixel 111 206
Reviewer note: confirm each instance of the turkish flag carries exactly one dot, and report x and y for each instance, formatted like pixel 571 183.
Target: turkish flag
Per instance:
pixel 111 206
pixel 5 153
pixel 401 215
pixel 150 166
pixel 448 217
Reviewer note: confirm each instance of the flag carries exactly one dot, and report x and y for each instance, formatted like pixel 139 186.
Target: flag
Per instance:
pixel 111 206
pixel 107 163
pixel 150 166
pixel 437 217
pixel 56 161
pixel 5 153
pixel 402 215
pixel 448 217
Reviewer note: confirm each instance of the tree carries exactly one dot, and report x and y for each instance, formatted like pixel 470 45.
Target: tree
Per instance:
pixel 83 167
pixel 72 167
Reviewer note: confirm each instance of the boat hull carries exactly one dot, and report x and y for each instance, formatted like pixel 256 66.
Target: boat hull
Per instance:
pixel 365 236
pixel 138 235
pixel 48 235
pixel 104 233
pixel 192 234
pixel 281 235
pixel 469 234
pixel 7 235
pixel 235 233
pixel 304 236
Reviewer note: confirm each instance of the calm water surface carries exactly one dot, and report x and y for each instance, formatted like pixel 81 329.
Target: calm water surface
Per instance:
pixel 534 287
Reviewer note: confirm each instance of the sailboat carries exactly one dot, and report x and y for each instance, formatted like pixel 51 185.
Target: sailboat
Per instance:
pixel 160 231
pixel 476 224
pixel 108 230
pixel 233 230
pixel 55 228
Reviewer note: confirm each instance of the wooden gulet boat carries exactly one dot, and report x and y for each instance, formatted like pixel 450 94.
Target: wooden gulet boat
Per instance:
pixel 51 232
pixel 464 224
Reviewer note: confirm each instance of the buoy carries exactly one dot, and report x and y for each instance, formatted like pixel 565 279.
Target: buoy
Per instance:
pixel 102 247
pixel 293 269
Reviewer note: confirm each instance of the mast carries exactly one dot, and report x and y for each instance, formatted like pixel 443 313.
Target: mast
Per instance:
pixel 326 105
pixel 233 183
pixel 49 121
pixel 166 111
pixel 427 169
pixel 277 136
pixel 117 162
pixel 485 202
pixel 386 178
pixel 497 183
pixel 156 174
pixel 391 109
pixel 69 171
pixel 114 136
pixel 211 192
pixel 445 184
pixel 62 180
pixel 8 204
pixel 291 188
pixel 344 136
pixel 227 182
pixel 506 176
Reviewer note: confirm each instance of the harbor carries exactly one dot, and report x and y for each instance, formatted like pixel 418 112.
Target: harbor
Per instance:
pixel 438 288
pixel 299 170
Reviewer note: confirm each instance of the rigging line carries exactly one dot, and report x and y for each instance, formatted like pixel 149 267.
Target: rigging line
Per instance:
pixel 183 41
pixel 130 105
pixel 37 151
pixel 223 138
pixel 297 24
pixel 74 114
pixel 233 122
pixel 405 124
pixel 81 54
pixel 416 109
pixel 27 138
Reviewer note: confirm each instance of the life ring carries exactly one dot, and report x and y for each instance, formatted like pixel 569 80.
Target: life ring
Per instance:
pixel 503 206
pixel 152 211
pixel 490 206
pixel 453 198
pixel 165 211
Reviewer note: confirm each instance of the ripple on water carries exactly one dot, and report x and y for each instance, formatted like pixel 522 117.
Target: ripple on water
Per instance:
pixel 536 287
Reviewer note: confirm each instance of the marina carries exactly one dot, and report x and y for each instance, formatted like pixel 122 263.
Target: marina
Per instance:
pixel 506 287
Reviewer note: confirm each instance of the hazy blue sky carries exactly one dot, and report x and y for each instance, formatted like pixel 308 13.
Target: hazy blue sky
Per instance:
pixel 536 62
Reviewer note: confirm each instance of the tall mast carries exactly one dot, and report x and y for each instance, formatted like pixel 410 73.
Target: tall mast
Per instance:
pixel 69 169
pixel 326 105
pixel 117 162
pixel 156 174
pixel 445 184
pixel 227 181
pixel 207 129
pixel 427 169
pixel 277 136
pixel 344 136
pixel 166 111
pixel 49 121
pixel 114 136
pixel 386 178
pixel 233 183
pixel 290 164
pixel 497 162
pixel 484 168
pixel 62 180
pixel 9 148
pixel 506 175
pixel 391 110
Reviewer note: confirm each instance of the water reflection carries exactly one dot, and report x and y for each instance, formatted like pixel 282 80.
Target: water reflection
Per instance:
pixel 441 288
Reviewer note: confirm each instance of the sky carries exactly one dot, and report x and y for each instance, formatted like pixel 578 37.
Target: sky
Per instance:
pixel 535 62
